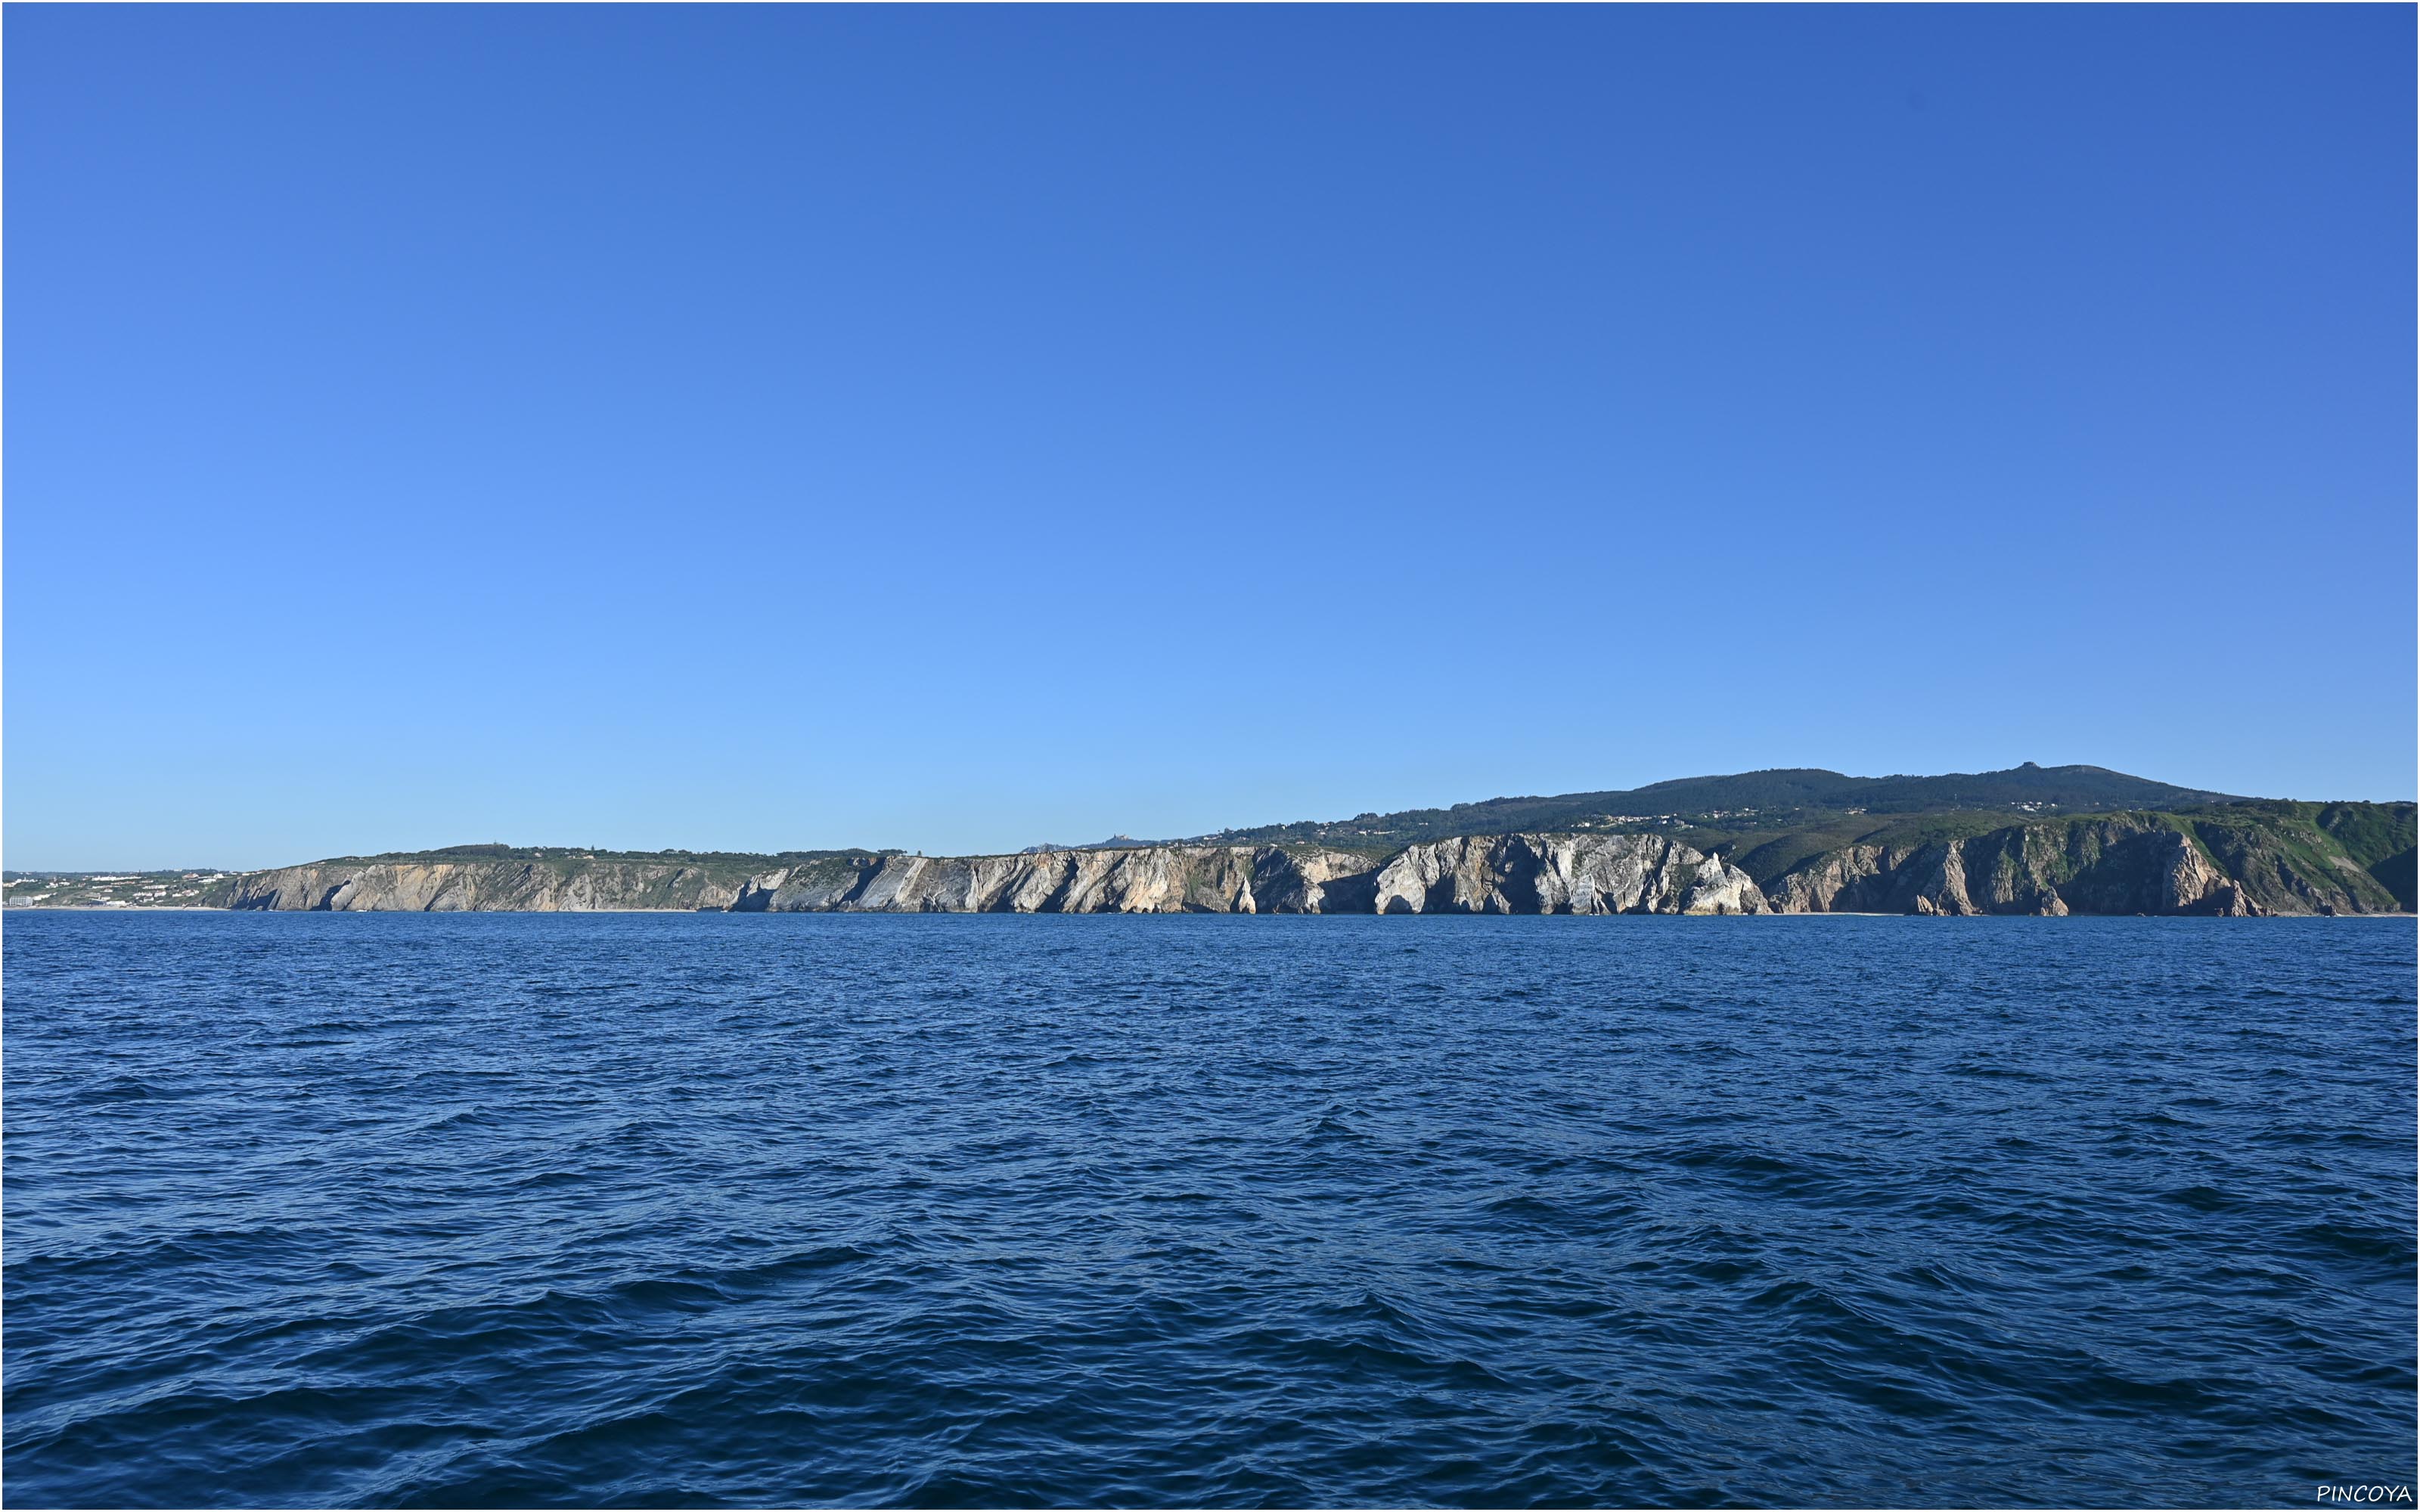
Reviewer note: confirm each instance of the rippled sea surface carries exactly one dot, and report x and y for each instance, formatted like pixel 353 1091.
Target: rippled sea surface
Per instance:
pixel 628 1208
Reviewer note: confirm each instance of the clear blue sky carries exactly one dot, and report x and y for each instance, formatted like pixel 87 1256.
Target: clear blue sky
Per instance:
pixel 956 428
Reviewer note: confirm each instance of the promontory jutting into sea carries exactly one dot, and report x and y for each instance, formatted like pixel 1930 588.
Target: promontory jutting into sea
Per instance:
pixel 2031 839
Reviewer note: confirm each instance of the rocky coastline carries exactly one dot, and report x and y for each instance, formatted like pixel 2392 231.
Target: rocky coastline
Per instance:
pixel 2101 864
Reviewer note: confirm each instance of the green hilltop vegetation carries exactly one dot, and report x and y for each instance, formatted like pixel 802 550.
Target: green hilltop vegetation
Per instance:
pixel 1783 799
pixel 190 887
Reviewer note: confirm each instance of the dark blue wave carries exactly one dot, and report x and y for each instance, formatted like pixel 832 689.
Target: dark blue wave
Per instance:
pixel 701 1209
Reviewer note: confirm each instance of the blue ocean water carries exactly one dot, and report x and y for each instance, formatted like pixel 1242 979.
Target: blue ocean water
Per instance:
pixel 399 1209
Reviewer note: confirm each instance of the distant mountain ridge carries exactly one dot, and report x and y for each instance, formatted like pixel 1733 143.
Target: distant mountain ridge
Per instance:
pixel 1777 795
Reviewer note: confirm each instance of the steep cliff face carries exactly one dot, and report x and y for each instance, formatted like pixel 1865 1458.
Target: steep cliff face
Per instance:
pixel 1159 879
pixel 2238 859
pixel 1563 875
pixel 1493 874
pixel 481 887
pixel 1312 880
pixel 2283 868
pixel 2116 864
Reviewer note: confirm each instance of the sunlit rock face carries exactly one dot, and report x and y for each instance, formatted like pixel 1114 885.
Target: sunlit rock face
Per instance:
pixel 1564 874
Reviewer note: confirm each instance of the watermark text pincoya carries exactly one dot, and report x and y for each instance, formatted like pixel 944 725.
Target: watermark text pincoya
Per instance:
pixel 2370 1495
